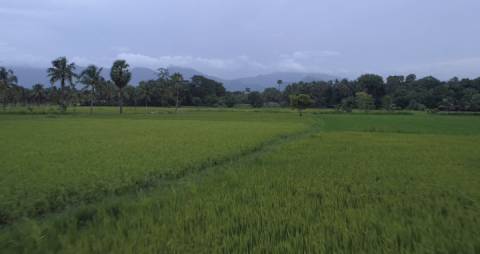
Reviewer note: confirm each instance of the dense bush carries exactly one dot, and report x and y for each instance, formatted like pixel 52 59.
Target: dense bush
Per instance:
pixel 396 92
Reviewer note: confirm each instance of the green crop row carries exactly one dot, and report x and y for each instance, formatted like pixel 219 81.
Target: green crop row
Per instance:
pixel 50 163
pixel 359 184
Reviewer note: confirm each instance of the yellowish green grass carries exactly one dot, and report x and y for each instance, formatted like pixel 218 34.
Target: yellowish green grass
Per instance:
pixel 49 163
pixel 346 184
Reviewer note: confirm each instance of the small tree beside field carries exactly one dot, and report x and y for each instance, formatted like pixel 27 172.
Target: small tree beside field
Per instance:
pixel 300 102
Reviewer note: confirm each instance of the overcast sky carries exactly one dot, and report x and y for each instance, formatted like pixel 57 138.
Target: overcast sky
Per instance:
pixel 233 38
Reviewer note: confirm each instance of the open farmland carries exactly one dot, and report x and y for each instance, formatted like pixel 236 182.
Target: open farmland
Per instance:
pixel 49 163
pixel 240 181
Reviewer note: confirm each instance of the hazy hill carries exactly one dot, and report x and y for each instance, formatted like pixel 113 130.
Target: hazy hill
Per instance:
pixel 28 76
pixel 261 82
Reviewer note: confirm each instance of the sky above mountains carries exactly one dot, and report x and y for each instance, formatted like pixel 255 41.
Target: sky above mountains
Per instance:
pixel 233 38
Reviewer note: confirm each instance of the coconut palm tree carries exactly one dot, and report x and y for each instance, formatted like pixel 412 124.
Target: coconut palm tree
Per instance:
pixel 163 74
pixel 177 80
pixel 7 81
pixel 62 71
pixel 38 93
pixel 279 83
pixel 92 78
pixel 145 93
pixel 120 75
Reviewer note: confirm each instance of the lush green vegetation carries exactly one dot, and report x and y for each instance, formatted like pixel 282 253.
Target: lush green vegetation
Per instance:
pixel 268 181
pixel 49 163
pixel 367 92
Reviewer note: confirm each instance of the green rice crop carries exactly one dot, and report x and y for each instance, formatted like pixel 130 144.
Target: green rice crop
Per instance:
pixel 49 163
pixel 355 183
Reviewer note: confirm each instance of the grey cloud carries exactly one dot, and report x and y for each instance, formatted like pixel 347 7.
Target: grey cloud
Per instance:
pixel 237 38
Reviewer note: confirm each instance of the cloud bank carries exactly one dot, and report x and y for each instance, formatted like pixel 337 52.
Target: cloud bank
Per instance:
pixel 249 37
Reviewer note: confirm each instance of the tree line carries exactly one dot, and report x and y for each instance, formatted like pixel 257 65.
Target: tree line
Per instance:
pixel 90 88
pixel 369 91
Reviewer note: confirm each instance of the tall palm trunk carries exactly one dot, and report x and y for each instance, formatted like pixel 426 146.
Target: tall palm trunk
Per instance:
pixel 176 103
pixel 91 100
pixel 120 100
pixel 63 100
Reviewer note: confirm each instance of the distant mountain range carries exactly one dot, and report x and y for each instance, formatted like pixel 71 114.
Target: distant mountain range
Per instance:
pixel 28 76
pixel 263 81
